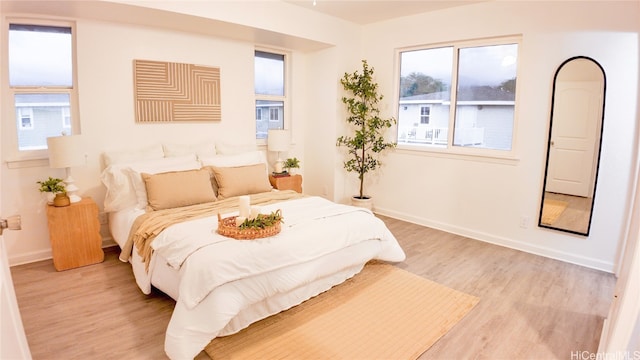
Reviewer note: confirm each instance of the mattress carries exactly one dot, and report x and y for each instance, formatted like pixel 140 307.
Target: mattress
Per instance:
pixel 223 285
pixel 162 276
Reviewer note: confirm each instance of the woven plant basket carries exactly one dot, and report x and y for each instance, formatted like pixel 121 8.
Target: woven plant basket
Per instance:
pixel 227 227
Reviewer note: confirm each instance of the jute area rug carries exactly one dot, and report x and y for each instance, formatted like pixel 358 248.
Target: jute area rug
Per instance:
pixel 382 313
pixel 551 210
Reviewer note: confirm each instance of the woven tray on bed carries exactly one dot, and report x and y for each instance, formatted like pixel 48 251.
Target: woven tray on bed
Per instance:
pixel 227 227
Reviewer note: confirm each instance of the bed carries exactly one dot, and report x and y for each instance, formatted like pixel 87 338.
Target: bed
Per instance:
pixel 162 204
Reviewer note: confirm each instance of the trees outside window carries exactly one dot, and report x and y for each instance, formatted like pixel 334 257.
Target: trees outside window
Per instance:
pixel 478 78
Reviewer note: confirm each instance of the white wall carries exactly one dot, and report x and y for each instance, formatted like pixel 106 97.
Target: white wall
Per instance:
pixel 105 54
pixel 621 330
pixel 105 59
pixel 484 200
pixel 487 200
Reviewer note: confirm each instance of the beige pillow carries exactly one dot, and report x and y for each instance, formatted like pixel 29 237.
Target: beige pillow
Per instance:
pixel 241 180
pixel 178 188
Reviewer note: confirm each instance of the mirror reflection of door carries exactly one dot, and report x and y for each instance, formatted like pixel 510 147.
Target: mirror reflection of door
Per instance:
pixel 574 146
pixel 576 118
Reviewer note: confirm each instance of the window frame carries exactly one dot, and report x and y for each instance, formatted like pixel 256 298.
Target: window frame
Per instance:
pixel 284 98
pixel 14 156
pixel 66 114
pixel 459 151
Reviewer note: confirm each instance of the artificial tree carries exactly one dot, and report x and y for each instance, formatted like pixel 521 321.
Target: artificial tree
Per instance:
pixel 367 140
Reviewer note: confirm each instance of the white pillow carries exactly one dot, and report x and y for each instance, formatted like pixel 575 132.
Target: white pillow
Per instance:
pixel 127 156
pixel 178 163
pixel 120 194
pixel 242 159
pixel 204 149
pixel 120 191
pixel 232 149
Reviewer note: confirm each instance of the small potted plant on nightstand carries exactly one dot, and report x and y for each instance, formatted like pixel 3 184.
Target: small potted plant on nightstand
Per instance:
pixel 51 187
pixel 291 164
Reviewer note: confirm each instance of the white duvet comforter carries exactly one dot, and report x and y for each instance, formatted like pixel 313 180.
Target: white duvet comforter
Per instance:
pixel 226 284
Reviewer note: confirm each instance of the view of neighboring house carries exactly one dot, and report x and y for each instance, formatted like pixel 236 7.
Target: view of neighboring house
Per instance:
pixel 39 116
pixel 269 115
pixel 484 118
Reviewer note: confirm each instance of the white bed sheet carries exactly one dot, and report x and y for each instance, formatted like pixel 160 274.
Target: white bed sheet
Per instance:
pixel 230 304
pixel 161 275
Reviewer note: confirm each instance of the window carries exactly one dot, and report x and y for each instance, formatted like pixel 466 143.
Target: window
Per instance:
pixel 274 114
pixel 41 82
pixel 479 78
pixel 424 114
pixel 270 92
pixel 25 118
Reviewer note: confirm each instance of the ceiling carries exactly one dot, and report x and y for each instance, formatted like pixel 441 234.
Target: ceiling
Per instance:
pixel 365 12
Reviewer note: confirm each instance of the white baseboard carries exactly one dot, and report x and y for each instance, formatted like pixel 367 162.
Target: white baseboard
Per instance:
pixel 30 257
pixel 46 254
pixel 108 242
pixel 502 241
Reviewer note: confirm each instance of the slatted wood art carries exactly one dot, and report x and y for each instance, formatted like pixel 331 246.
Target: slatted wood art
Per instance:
pixel 175 92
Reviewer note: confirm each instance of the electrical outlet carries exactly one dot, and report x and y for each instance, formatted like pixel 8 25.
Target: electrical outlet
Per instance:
pixel 524 222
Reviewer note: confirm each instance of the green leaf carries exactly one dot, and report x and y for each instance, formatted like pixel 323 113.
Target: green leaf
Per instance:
pixel 367 127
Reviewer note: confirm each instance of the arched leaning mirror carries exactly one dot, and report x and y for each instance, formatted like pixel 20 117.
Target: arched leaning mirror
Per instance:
pixel 573 148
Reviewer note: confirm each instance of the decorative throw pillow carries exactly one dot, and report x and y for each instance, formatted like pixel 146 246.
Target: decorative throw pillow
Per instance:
pixel 178 188
pixel 225 161
pixel 241 180
pixel 124 185
pixel 134 172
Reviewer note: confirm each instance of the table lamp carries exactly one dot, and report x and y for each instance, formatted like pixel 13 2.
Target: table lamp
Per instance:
pixel 278 140
pixel 65 152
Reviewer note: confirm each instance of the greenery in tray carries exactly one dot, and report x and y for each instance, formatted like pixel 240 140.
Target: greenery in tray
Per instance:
pixel 262 221
pixel 52 185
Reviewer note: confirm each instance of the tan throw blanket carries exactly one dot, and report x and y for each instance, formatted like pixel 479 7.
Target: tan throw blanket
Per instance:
pixel 147 226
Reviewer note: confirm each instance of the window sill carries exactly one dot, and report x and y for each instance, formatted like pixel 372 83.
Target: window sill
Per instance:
pixel 447 153
pixel 27 163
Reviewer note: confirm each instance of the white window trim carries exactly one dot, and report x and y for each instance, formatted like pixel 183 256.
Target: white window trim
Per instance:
pixel 27 158
pixel 460 152
pixel 284 98
pixel 66 112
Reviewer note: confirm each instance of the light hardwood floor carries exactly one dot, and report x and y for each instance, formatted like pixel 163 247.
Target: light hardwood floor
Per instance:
pixel 576 216
pixel 530 307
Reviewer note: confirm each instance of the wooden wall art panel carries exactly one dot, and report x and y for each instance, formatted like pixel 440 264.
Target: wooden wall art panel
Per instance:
pixel 174 92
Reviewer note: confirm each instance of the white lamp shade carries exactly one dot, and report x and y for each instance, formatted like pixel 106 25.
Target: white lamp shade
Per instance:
pixel 65 151
pixel 278 140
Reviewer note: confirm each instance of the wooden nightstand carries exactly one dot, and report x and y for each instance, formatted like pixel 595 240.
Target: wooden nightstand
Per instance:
pixel 74 232
pixel 292 182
